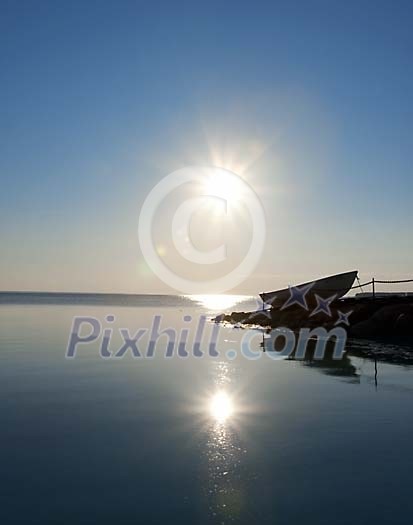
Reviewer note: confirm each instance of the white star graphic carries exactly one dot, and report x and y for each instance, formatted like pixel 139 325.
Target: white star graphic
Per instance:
pixel 343 317
pixel 297 296
pixel 260 310
pixel 323 305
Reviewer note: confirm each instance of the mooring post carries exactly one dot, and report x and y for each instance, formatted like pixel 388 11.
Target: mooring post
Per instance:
pixel 373 282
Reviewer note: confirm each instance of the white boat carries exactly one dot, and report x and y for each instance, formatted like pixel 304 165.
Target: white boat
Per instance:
pixel 336 285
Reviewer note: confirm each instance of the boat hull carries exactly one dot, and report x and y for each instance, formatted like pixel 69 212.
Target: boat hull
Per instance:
pixel 335 285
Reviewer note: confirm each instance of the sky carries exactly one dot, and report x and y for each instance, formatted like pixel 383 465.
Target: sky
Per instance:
pixel 310 102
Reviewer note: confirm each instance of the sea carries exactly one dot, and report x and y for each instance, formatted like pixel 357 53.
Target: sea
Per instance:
pixel 142 409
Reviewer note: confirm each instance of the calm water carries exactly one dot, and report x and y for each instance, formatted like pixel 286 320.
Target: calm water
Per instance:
pixel 136 440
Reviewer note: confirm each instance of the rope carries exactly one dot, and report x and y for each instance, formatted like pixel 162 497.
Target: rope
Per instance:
pixel 359 285
pixel 395 282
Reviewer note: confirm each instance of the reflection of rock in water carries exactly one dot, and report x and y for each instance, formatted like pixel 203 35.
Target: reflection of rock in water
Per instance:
pixel 224 487
pixel 327 365
pixel 399 352
pixel 394 350
pixel 332 367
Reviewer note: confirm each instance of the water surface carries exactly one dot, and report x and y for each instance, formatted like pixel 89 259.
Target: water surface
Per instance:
pixel 134 440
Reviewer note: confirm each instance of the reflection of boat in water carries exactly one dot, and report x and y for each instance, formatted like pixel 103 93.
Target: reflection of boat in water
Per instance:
pixel 337 285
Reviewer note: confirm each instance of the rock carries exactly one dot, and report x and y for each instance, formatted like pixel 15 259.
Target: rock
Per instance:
pixel 369 318
pixel 404 324
pixel 387 320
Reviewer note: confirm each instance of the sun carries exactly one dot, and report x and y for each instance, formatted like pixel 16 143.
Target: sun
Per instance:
pixel 221 407
pixel 224 185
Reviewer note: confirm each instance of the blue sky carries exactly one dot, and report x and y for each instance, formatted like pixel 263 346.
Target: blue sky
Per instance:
pixel 100 100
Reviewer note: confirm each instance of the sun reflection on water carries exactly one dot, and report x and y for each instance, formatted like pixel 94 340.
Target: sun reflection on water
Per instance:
pixel 225 482
pixel 221 406
pixel 218 303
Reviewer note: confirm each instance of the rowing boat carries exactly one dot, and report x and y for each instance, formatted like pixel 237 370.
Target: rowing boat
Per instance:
pixel 334 286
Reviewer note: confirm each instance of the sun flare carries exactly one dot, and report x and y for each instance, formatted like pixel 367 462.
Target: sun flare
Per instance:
pixel 224 185
pixel 221 407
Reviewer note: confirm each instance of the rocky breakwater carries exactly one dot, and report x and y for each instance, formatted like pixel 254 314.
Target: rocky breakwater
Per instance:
pixel 361 317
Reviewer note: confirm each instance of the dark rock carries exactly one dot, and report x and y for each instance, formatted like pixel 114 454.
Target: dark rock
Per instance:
pixel 390 316
pixel 387 320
